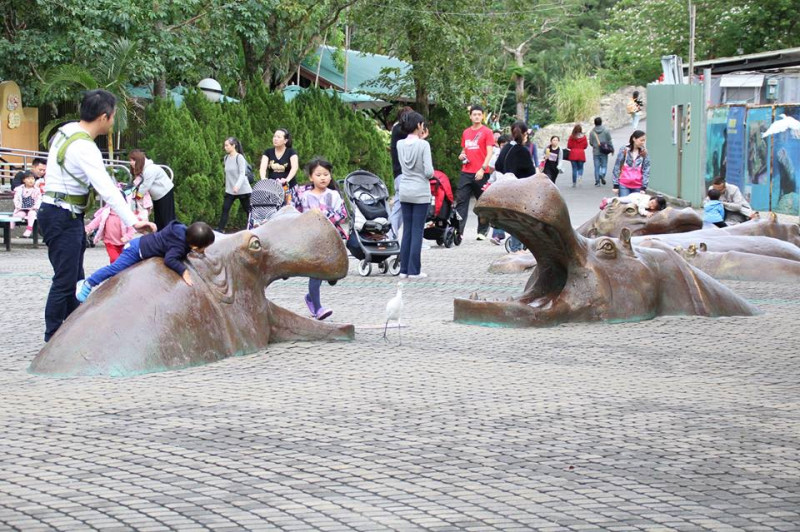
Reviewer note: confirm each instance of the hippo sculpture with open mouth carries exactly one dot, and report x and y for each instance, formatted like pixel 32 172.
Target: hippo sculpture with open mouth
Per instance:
pixel 580 279
pixel 147 319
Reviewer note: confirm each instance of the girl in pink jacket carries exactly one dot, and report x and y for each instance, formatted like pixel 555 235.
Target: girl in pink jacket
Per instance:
pixel 27 199
pixel 111 230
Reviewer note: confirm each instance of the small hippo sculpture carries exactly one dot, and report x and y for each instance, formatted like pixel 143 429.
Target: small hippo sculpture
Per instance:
pixel 739 266
pixel 146 319
pixel 580 279
pixel 619 215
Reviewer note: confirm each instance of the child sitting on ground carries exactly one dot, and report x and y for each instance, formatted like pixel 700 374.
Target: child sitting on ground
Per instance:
pixel 172 243
pixel 111 230
pixel 713 210
pixel 321 195
pixel 27 199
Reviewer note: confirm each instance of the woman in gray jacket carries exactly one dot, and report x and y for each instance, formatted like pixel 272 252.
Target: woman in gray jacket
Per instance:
pixel 236 184
pixel 155 181
pixel 414 155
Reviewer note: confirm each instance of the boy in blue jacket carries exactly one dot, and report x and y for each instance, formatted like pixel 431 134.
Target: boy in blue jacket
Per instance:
pixel 172 243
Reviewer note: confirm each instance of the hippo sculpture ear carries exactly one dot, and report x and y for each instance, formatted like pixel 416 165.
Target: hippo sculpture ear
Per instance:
pixel 703 246
pixel 691 251
pixel 625 238
pixel 592 232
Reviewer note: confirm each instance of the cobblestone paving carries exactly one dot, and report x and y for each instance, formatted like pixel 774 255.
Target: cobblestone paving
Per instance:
pixel 678 423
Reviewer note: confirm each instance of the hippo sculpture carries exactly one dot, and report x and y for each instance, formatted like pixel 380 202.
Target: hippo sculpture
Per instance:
pixel 147 319
pixel 581 279
pixel 739 266
pixel 618 215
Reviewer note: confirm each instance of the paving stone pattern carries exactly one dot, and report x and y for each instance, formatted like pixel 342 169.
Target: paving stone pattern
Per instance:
pixel 678 423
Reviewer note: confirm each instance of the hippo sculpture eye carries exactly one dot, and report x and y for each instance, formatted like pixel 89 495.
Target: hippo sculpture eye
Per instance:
pixel 607 249
pixel 630 210
pixel 255 244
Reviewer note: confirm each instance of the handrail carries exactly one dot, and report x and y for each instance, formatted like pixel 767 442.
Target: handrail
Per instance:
pixel 9 168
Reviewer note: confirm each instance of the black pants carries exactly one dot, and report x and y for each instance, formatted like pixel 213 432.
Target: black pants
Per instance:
pixel 720 224
pixel 164 209
pixel 467 188
pixel 244 201
pixel 66 242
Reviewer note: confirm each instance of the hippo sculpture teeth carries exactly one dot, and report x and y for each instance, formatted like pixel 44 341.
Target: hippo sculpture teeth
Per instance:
pixel 580 279
pixel 146 319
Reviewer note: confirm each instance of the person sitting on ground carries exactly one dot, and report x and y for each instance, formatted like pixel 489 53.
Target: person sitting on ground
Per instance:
pixel 27 199
pixel 713 210
pixel 737 209
pixel 172 243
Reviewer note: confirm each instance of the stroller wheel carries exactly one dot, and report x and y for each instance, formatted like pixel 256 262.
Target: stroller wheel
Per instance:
pixel 383 266
pixel 364 268
pixel 448 237
pixel 439 241
pixel 508 245
pixel 394 266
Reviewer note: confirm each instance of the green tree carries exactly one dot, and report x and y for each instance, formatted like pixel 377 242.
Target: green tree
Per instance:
pixel 110 72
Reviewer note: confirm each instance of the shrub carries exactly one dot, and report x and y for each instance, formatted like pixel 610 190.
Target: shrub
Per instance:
pixel 576 97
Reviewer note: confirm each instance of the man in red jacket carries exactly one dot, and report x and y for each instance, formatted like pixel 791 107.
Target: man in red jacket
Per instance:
pixel 476 152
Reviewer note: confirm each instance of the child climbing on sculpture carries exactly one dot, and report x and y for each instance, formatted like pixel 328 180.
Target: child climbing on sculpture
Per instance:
pixel 320 195
pixel 27 199
pixel 172 243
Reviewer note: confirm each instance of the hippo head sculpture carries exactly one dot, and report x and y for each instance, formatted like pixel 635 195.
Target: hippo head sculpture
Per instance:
pixel 619 215
pixel 147 319
pixel 580 279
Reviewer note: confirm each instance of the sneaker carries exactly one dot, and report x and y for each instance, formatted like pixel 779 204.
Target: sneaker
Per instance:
pixel 323 313
pixel 481 236
pixel 310 305
pixel 82 290
pixel 494 240
pixel 420 275
pixel 403 276
pixel 602 180
pixel 574 185
pixel 27 232
pixel 597 183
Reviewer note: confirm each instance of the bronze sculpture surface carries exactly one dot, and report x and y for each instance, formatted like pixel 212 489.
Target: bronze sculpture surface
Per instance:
pixel 147 319
pixel 580 279
pixel 739 266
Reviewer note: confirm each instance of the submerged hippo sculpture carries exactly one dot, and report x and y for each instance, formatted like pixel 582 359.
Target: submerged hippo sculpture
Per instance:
pixel 619 215
pixel 580 279
pixel 739 266
pixel 147 319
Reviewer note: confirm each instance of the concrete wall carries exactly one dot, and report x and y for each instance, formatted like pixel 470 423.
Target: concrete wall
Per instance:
pixel 686 182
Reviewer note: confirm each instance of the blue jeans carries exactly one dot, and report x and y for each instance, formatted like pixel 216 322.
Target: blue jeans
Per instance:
pixel 129 257
pixel 600 167
pixel 411 245
pixel 635 117
pixel 577 170
pixel 625 191
pixel 515 245
pixel 499 234
pixel 313 292
pixel 66 242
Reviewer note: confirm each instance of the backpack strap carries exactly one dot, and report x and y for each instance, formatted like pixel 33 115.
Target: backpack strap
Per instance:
pixel 84 200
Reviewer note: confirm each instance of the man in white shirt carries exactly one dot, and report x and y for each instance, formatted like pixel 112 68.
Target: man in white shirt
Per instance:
pixel 74 162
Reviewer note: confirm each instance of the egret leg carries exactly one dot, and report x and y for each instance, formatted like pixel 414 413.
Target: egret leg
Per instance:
pixel 384 330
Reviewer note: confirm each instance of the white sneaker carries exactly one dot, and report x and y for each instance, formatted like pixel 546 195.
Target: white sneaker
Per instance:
pixel 481 236
pixel 420 275
pixel 403 276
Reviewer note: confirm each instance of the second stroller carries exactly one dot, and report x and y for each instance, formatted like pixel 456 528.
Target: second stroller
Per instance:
pixel 442 222
pixel 371 240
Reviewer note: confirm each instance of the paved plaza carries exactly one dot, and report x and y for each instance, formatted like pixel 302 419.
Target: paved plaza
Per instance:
pixel 678 423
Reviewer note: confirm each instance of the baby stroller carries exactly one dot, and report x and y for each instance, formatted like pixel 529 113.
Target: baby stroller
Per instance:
pixel 266 200
pixel 366 200
pixel 442 222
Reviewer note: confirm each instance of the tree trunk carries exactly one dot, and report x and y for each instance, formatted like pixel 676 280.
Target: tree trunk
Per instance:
pixel 160 88
pixel 111 143
pixel 420 88
pixel 519 81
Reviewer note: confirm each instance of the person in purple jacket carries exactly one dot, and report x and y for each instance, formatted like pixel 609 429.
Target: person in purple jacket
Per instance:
pixel 172 243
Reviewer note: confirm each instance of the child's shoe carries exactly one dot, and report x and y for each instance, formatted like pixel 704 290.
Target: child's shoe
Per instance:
pixel 323 313
pixel 310 305
pixel 27 232
pixel 83 290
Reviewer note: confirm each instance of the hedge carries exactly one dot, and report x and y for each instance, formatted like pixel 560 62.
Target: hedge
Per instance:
pixel 189 139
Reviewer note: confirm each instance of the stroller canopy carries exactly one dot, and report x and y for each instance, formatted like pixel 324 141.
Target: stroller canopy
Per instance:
pixel 440 190
pixel 363 181
pixel 266 199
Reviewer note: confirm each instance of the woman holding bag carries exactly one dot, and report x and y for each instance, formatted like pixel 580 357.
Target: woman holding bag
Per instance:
pixel 515 161
pixel 632 168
